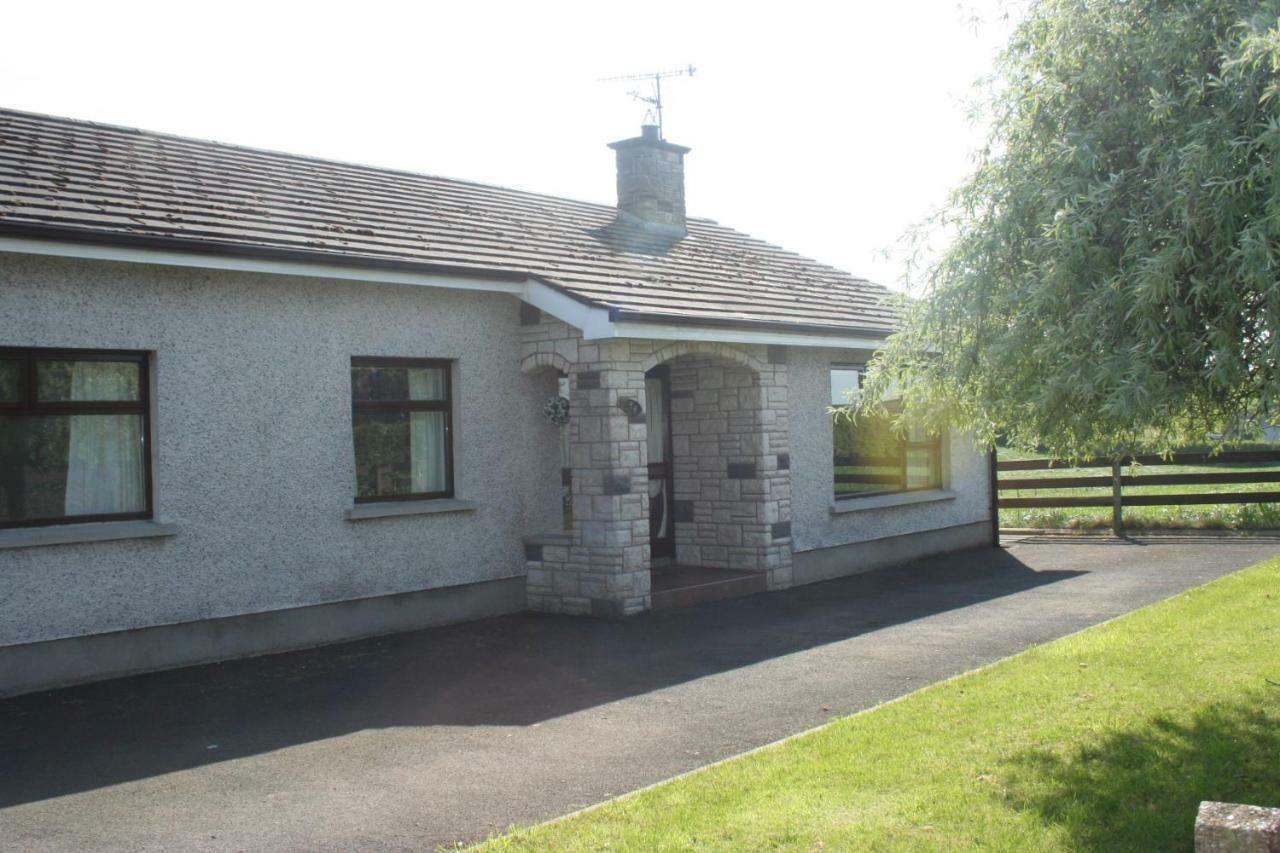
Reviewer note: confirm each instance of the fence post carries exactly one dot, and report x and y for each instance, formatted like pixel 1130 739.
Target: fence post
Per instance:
pixel 995 498
pixel 1117 500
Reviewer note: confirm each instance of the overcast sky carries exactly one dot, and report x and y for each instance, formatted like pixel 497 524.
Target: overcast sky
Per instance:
pixel 826 128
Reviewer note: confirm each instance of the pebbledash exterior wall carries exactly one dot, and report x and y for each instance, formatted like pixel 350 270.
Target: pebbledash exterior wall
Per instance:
pixel 254 470
pixel 254 466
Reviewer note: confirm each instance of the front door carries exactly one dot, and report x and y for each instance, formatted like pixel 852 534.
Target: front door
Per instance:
pixel 657 392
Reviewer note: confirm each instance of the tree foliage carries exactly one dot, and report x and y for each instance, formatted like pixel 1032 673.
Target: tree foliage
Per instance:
pixel 1113 275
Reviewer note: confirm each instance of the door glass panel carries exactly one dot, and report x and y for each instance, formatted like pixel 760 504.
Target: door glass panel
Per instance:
pixel 660 539
pixel 656 405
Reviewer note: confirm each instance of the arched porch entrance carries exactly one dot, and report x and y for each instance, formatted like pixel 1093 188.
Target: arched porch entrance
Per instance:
pixel 678 463
pixel 719 503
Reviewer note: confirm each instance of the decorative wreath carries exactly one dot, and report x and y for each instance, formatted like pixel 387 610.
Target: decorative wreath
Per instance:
pixel 557 410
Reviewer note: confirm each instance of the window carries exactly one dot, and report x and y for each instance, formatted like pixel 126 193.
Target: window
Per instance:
pixel 402 428
pixel 870 456
pixel 74 437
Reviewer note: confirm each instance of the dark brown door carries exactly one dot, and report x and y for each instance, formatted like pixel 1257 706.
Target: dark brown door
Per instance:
pixel 657 389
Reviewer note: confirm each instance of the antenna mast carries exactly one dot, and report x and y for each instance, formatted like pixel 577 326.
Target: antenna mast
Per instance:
pixel 654 99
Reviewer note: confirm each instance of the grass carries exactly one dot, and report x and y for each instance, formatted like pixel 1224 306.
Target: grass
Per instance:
pixel 1202 516
pixel 1105 740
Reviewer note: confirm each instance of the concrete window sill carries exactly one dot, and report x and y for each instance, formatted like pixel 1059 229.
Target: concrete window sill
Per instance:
pixel 883 501
pixel 391 509
pixel 71 534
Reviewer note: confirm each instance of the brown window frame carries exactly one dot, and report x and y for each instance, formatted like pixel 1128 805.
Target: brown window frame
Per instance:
pixel 904 445
pixel 30 406
pixel 445 405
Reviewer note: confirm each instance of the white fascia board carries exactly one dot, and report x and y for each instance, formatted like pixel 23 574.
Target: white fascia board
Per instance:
pixel 259 265
pixel 591 320
pixel 680 332
pixel 594 323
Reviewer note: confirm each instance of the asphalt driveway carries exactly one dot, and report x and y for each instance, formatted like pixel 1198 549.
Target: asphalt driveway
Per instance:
pixel 449 734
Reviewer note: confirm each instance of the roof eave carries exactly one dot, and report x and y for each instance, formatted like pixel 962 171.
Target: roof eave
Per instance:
pixel 594 319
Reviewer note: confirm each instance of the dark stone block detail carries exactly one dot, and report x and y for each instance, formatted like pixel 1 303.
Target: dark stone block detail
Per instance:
pixel 784 461
pixel 682 395
pixel 529 316
pixel 781 530
pixel 777 354
pixel 533 553
pixel 588 380
pixel 682 512
pixel 742 470
pixel 615 484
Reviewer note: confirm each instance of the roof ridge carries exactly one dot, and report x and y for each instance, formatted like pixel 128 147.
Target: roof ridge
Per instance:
pixel 67 177
pixel 307 158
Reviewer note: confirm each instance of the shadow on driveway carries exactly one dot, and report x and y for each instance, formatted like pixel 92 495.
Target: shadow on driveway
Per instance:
pixel 512 670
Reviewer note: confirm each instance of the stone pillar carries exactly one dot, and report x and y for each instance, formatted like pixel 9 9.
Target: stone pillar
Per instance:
pixel 604 568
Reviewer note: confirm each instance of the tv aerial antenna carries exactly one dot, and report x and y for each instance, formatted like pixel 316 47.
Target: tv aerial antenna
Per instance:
pixel 652 115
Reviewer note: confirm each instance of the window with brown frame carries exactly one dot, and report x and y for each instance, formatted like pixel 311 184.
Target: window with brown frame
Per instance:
pixel 402 428
pixel 75 442
pixel 871 457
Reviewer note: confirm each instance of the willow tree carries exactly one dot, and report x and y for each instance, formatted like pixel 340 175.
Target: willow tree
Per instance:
pixel 1112 279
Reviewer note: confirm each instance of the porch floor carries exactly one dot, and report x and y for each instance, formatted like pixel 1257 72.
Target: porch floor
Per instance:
pixel 684 586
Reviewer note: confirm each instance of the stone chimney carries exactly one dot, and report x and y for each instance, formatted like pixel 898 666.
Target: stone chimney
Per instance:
pixel 651 182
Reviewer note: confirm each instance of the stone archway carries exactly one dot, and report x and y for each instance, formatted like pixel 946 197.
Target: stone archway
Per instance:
pixel 676 349
pixel 539 361
pixel 732 488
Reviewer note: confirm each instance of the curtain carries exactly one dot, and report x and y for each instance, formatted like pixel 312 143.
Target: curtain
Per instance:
pixel 104 455
pixel 426 432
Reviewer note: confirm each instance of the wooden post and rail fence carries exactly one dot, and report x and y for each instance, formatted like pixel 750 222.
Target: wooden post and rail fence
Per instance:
pixel 1116 480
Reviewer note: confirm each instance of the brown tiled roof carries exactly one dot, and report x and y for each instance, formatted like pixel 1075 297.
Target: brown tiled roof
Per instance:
pixel 79 180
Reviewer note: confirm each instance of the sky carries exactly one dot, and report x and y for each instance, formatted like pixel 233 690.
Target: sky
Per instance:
pixel 827 128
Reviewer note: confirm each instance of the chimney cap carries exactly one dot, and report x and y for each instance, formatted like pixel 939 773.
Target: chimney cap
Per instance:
pixel 649 138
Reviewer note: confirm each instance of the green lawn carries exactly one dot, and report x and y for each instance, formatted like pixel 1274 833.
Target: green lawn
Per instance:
pixel 1203 516
pixel 1106 740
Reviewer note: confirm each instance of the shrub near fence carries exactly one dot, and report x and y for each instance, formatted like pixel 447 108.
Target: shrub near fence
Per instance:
pixel 1116 482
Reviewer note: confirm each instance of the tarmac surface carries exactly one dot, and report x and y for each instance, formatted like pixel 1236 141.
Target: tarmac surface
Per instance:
pixel 451 734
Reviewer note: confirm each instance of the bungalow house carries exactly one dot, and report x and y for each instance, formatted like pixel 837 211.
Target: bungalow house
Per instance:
pixel 252 401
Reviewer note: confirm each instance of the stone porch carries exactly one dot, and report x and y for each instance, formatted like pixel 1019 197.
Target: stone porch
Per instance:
pixel 729 444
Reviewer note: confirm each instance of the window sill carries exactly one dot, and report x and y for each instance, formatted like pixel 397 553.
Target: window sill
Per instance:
pixel 844 505
pixel 71 534
pixel 390 509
